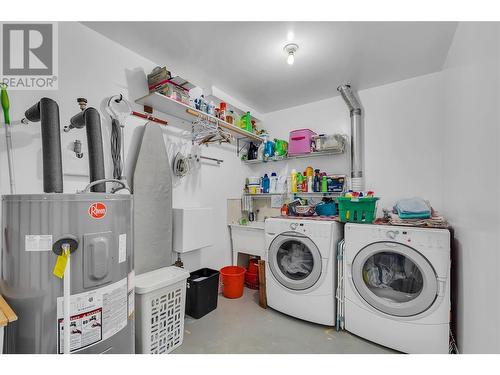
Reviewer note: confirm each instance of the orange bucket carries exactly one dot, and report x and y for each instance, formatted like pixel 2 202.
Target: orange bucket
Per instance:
pixel 233 280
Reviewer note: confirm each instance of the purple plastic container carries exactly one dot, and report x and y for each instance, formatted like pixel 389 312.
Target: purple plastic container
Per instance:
pixel 300 141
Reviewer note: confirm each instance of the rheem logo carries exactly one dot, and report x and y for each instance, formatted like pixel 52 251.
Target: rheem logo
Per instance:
pixel 97 210
pixel 29 55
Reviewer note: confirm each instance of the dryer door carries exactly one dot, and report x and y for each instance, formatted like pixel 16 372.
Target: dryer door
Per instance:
pixel 295 261
pixel 395 279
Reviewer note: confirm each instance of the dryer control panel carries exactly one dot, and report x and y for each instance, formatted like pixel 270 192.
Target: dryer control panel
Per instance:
pixel 438 239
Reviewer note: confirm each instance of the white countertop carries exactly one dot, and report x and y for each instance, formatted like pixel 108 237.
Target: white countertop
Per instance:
pixel 259 225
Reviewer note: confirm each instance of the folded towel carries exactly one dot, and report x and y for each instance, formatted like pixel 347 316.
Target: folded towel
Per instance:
pixel 434 221
pixel 413 208
pixel 246 203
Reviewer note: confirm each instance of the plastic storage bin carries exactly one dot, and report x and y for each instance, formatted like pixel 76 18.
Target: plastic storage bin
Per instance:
pixel 300 141
pixel 202 292
pixel 326 209
pixel 357 210
pixel 160 299
pixel 172 90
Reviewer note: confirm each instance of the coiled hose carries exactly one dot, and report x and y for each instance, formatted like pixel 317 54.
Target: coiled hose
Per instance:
pixel 116 146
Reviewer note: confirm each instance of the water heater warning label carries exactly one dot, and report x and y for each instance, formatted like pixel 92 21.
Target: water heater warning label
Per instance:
pixel 86 329
pixel 38 242
pixel 95 316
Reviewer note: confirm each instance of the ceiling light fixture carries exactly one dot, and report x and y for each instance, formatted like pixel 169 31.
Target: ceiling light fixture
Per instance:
pixel 290 50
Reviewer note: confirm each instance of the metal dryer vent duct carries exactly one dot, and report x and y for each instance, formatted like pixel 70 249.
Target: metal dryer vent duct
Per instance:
pixel 357 176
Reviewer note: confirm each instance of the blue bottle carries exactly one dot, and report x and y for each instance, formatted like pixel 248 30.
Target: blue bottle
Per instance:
pixel 269 149
pixel 265 184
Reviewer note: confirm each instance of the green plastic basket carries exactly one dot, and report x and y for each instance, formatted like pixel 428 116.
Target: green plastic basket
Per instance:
pixel 357 210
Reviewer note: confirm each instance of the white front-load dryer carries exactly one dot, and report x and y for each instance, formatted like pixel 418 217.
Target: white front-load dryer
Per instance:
pixel 397 286
pixel 300 267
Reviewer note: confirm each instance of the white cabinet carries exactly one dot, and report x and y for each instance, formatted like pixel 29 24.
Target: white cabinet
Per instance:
pixel 193 229
pixel 248 239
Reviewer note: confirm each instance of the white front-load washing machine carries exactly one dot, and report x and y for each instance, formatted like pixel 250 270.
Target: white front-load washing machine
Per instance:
pixel 397 286
pixel 300 267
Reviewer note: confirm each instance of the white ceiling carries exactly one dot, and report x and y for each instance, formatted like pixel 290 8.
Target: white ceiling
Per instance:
pixel 246 59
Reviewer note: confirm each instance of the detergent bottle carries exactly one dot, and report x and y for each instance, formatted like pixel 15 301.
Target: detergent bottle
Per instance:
pixel 293 187
pixel 316 182
pixel 265 184
pixel 324 184
pixel 300 181
pixel 273 183
pixel 304 183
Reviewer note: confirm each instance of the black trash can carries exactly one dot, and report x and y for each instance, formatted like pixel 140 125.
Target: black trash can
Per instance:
pixel 202 292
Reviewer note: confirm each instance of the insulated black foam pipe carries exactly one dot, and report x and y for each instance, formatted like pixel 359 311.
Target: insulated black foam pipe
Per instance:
pixel 92 121
pixel 47 112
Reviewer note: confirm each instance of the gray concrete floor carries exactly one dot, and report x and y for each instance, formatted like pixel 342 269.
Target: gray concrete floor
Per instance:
pixel 241 326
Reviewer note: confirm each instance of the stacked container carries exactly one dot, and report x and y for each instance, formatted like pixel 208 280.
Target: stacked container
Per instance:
pixel 300 141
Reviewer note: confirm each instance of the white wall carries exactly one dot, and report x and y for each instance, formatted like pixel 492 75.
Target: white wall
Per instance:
pixel 94 67
pixel 471 84
pixel 402 147
pixel 411 149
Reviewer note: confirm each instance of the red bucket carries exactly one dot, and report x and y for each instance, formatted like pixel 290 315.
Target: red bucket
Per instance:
pixel 233 280
pixel 252 280
pixel 253 266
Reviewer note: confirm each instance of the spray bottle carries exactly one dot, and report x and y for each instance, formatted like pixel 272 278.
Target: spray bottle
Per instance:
pixel 293 188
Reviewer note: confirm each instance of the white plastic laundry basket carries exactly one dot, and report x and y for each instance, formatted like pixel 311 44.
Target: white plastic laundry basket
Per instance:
pixel 160 300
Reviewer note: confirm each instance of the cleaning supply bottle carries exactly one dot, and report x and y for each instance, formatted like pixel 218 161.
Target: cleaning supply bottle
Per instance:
pixel 273 183
pixel 293 187
pixel 265 184
pixel 284 210
pixel 211 108
pixel 304 182
pixel 316 182
pixel 300 180
pixel 268 149
pixel 324 183
pixel 310 184
pixel 248 123
pixel 260 151
pixel 309 171
pixel 222 111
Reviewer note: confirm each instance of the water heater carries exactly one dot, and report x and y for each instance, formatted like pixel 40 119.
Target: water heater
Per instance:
pixel 96 293
pixel 101 272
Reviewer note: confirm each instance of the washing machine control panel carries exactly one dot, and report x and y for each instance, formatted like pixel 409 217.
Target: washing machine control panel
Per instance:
pixel 307 229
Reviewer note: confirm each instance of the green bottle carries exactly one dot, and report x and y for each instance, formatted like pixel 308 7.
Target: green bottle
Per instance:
pixel 248 122
pixel 324 184
pixel 300 180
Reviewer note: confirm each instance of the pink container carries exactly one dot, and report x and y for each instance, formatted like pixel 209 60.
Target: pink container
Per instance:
pixel 300 141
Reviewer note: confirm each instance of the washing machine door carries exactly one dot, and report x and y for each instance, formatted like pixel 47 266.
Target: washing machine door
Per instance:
pixel 295 261
pixel 394 279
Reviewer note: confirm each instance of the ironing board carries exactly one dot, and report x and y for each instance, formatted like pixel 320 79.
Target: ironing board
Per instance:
pixel 152 187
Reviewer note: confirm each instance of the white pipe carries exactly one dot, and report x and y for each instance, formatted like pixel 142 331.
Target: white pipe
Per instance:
pixel 122 144
pixel 67 299
pixel 10 158
pixel 1 339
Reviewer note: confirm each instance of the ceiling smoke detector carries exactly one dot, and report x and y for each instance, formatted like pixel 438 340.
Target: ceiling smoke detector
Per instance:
pixel 290 50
